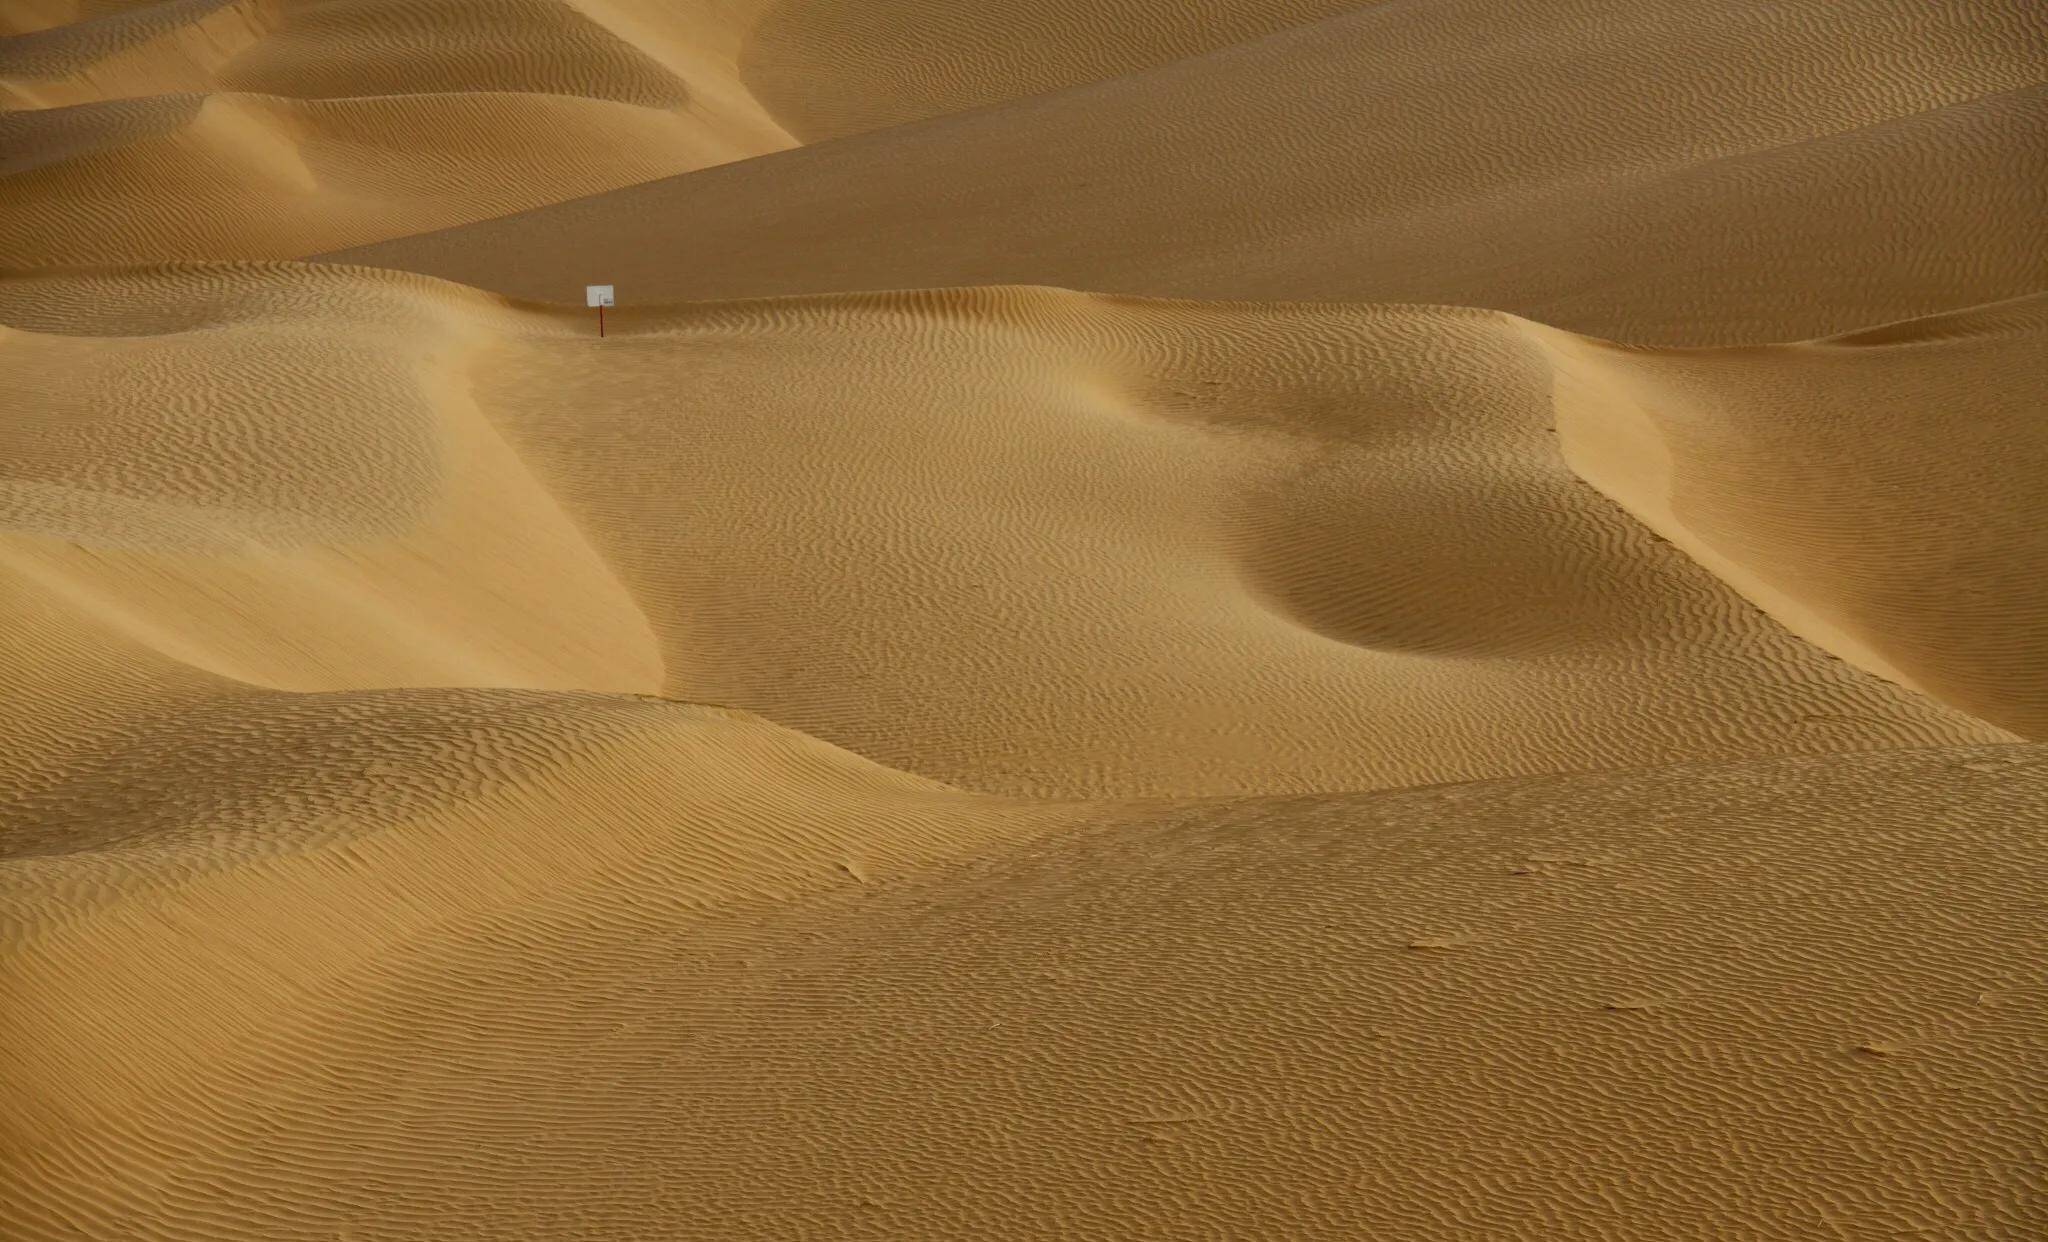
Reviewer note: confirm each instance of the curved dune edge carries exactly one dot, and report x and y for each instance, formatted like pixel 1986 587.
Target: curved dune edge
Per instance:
pixel 196 177
pixel 753 981
pixel 57 57
pixel 377 817
pixel 1835 513
pixel 173 120
pixel 1113 645
pixel 252 129
pixel 1668 173
pixel 1352 524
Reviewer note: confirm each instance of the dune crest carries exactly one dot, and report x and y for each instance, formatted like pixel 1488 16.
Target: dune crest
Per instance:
pixel 1775 476
pixel 1175 472
pixel 1658 173
pixel 162 130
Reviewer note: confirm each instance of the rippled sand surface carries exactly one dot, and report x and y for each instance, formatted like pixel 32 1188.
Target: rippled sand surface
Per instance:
pixel 1216 619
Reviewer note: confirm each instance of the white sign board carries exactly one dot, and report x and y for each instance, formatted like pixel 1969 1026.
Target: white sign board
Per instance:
pixel 598 295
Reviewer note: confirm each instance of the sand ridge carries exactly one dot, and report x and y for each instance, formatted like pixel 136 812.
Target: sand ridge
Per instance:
pixel 1779 495
pixel 1171 473
pixel 168 132
pixel 1658 173
pixel 159 130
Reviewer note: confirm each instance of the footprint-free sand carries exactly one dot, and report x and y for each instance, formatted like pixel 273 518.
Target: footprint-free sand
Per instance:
pixel 1239 619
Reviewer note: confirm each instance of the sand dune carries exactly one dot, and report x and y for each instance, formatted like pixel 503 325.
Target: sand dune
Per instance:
pixel 829 68
pixel 1886 531
pixel 1255 618
pixel 621 967
pixel 769 505
pixel 1657 173
pixel 266 129
pixel 165 131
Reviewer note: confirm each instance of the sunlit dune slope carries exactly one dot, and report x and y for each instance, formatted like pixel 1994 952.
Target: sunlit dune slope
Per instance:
pixel 467 963
pixel 1029 540
pixel 287 483
pixel 272 128
pixel 267 128
pixel 1667 172
pixel 1156 619
pixel 350 827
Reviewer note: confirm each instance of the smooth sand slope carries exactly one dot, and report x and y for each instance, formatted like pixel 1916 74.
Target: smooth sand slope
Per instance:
pixel 1023 759
pixel 202 129
pixel 1667 172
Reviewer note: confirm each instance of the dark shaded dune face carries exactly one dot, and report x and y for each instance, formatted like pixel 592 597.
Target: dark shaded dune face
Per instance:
pixel 1344 562
pixel 266 129
pixel 132 51
pixel 53 39
pixel 1436 468
pixel 1890 221
pixel 1899 526
pixel 260 177
pixel 190 781
pixel 52 136
pixel 343 48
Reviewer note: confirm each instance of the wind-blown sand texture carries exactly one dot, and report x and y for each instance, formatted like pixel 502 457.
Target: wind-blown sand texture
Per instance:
pixel 1239 619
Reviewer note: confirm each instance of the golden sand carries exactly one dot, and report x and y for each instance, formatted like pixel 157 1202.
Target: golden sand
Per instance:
pixel 1237 619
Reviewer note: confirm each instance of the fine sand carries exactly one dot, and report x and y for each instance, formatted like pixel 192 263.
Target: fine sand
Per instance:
pixel 1237 619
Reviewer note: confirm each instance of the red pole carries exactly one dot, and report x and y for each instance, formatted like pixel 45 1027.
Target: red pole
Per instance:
pixel 600 320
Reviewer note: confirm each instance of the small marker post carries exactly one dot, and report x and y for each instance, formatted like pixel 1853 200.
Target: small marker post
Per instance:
pixel 599 296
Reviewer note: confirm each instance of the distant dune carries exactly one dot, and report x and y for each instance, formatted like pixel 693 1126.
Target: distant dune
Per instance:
pixel 207 129
pixel 1257 619
pixel 1671 172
